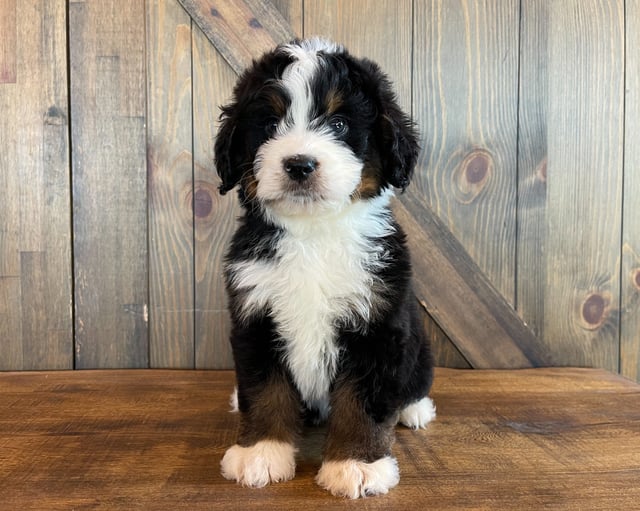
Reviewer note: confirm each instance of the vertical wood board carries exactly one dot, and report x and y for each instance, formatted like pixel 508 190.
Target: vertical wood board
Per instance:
pixel 584 181
pixel 8 38
pixel 109 183
pixel 630 278
pixel 465 99
pixel 35 235
pixel 532 164
pixel 214 215
pixel 170 186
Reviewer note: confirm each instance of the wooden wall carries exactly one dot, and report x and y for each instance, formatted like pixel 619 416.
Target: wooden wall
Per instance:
pixel 112 231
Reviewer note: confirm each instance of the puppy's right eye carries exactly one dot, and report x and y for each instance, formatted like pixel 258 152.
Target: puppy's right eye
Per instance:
pixel 271 126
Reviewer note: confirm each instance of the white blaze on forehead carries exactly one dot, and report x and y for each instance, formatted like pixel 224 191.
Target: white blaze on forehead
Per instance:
pixel 297 77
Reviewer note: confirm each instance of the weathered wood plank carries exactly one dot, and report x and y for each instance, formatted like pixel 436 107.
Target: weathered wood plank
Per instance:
pixel 465 99
pixel 443 351
pixel 511 440
pixel 240 30
pixel 109 183
pixel 475 316
pixel 584 181
pixel 630 306
pixel 215 216
pixel 8 38
pixel 170 174
pixel 35 236
pixel 532 164
pixel 11 354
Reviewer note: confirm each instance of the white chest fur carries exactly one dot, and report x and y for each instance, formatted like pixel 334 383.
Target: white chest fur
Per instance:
pixel 321 277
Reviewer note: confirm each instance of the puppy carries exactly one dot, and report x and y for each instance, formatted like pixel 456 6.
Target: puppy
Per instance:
pixel 324 320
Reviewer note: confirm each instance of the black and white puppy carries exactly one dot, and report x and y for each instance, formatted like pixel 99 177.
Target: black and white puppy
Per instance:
pixel 324 320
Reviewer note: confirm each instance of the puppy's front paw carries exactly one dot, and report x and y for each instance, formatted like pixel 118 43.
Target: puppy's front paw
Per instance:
pixel 417 415
pixel 353 479
pixel 258 465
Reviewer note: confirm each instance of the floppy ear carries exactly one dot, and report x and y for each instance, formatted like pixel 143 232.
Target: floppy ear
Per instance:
pixel 399 141
pixel 224 149
pixel 396 133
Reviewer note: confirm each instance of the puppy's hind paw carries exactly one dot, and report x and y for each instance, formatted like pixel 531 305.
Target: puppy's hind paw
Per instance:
pixel 353 478
pixel 258 465
pixel 417 415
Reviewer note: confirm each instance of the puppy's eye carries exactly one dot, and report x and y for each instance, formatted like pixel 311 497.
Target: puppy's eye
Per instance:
pixel 338 125
pixel 271 126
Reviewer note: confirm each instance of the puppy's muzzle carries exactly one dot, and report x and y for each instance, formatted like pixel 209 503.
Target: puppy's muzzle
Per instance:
pixel 300 166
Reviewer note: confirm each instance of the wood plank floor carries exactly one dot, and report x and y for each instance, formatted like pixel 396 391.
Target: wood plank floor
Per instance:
pixel 563 439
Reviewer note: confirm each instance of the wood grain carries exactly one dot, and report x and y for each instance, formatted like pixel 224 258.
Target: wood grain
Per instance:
pixel 170 187
pixel 108 106
pixel 474 315
pixel 8 38
pixel 511 440
pixel 465 99
pixel 531 276
pixel 443 351
pixel 584 181
pixel 215 216
pixel 240 30
pixel 630 280
pixel 35 235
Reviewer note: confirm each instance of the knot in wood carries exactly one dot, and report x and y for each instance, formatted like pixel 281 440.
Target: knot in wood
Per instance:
pixel 202 203
pixel 636 277
pixel 54 116
pixel 473 175
pixel 541 171
pixel 595 310
pixel 476 168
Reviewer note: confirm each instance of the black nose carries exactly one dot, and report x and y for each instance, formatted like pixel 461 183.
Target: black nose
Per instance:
pixel 299 167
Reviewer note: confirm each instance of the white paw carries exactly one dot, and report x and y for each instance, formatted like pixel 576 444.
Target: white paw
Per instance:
pixel 265 462
pixel 417 415
pixel 233 401
pixel 353 479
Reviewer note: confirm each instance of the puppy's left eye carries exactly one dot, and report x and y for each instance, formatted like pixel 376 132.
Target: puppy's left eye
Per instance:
pixel 338 125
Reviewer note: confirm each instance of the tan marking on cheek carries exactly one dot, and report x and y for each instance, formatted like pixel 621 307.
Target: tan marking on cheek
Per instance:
pixel 250 186
pixel 369 183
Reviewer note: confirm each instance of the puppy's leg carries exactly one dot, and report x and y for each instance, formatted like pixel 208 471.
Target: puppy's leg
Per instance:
pixel 269 406
pixel 270 424
pixel 421 410
pixel 357 459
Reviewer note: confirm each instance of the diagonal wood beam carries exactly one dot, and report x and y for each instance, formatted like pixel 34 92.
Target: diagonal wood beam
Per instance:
pixel 240 30
pixel 461 299
pixel 454 291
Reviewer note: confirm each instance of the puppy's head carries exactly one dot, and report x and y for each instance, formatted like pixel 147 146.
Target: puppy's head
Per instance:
pixel 312 129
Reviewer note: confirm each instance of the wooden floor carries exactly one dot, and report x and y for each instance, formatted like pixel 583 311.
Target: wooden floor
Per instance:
pixel 563 439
